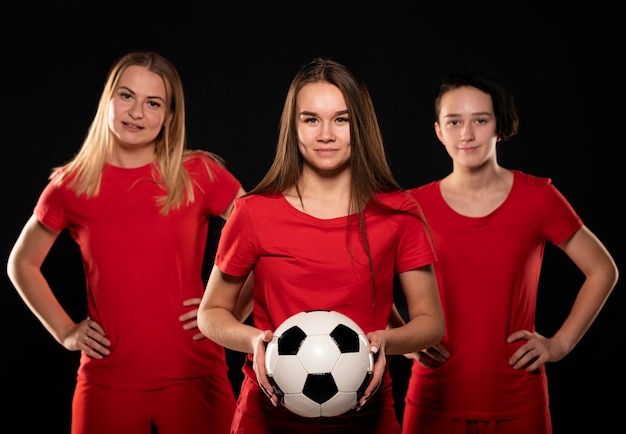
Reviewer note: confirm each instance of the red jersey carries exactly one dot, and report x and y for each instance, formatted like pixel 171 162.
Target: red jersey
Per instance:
pixel 488 275
pixel 303 263
pixel 139 267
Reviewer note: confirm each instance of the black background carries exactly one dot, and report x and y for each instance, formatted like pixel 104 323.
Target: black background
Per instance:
pixel 236 62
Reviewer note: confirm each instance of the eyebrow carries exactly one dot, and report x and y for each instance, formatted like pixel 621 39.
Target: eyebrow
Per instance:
pixel 135 93
pixel 308 113
pixel 457 115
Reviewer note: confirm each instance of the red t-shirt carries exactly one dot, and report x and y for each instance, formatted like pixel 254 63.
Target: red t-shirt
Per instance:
pixel 488 274
pixel 139 267
pixel 303 263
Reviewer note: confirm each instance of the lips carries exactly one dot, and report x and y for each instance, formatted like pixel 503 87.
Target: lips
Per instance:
pixel 132 126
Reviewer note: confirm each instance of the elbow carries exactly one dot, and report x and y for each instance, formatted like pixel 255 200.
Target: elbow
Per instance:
pixel 11 267
pixel 204 322
pixel 439 333
pixel 211 320
pixel 439 330
pixel 615 275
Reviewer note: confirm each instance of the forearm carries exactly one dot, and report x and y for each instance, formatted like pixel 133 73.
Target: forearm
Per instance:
pixel 221 326
pixel 591 298
pixel 39 298
pixel 419 333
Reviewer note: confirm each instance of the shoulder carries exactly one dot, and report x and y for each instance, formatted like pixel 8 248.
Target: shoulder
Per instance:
pixel 399 200
pixel 533 181
pixel 206 168
pixel 202 159
pixel 425 189
pixel 60 178
pixel 259 206
pixel 261 200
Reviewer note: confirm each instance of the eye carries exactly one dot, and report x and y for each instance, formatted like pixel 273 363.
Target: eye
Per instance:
pixel 125 95
pixel 342 119
pixel 154 104
pixel 310 120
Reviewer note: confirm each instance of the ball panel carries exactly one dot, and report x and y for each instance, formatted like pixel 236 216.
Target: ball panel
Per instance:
pixel 339 404
pixel 350 372
pixel 271 355
pixel 318 354
pixel 344 319
pixel 319 387
pixel 289 374
pixel 289 322
pixel 346 339
pixel 290 341
pixel 318 322
pixel 301 405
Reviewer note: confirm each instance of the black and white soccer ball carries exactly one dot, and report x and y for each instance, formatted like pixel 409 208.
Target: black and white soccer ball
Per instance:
pixel 319 363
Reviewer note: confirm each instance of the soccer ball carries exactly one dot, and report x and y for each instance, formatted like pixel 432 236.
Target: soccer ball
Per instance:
pixel 319 363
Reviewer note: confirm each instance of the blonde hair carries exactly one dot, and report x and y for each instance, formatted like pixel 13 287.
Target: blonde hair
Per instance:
pixel 85 169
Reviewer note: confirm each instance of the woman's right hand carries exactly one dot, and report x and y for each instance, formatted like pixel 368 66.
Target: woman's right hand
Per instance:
pixel 258 365
pixel 88 336
pixel 432 357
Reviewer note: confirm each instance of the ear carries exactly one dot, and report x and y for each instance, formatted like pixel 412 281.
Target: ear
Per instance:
pixel 168 119
pixel 438 131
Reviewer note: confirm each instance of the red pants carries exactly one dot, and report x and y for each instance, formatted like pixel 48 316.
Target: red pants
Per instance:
pixel 196 406
pixel 417 421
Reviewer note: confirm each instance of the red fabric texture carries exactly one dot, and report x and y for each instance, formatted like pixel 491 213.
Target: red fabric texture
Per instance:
pixel 488 273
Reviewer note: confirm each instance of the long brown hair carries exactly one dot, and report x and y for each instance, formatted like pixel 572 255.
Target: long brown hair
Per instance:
pixel 370 169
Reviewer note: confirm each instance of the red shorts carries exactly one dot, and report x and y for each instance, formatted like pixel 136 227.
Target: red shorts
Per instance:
pixel 256 415
pixel 425 422
pixel 200 405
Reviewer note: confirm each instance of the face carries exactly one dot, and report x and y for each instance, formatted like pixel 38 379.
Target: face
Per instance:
pixel 137 110
pixel 323 126
pixel 467 126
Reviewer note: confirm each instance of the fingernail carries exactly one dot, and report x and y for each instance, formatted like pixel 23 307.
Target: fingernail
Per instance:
pixel 374 349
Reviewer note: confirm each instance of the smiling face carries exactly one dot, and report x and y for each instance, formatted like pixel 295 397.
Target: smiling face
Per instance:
pixel 138 110
pixel 323 127
pixel 467 126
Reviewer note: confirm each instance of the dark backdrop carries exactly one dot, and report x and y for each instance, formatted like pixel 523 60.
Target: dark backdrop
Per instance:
pixel 236 63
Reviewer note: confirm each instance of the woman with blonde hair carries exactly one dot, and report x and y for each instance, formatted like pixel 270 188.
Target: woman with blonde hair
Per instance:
pixel 137 202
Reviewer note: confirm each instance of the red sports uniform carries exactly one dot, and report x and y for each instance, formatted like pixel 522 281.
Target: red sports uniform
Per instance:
pixel 488 274
pixel 303 263
pixel 139 267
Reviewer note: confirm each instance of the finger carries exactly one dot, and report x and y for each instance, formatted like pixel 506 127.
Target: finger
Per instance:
pixel 192 302
pixel 192 314
pixel 198 336
pixel 94 326
pixel 92 338
pixel 94 349
pixel 191 324
pixel 433 355
pixel 270 395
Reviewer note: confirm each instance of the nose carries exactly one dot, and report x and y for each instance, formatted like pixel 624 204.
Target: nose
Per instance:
pixel 326 133
pixel 467 132
pixel 135 111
